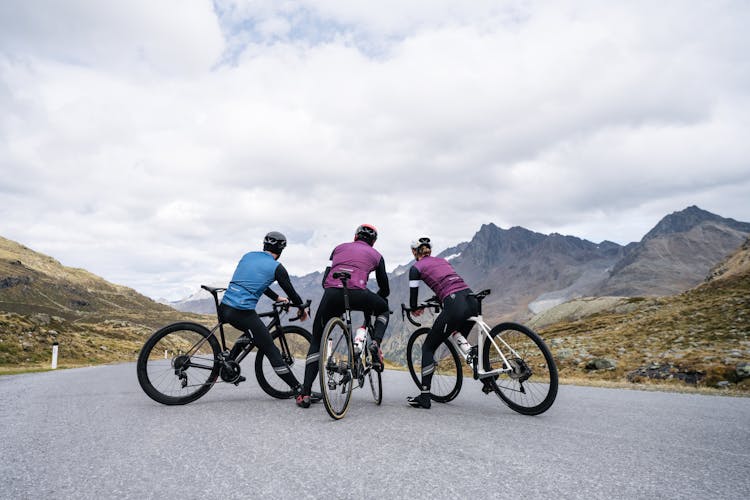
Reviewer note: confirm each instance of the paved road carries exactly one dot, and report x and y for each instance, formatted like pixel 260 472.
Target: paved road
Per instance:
pixel 92 433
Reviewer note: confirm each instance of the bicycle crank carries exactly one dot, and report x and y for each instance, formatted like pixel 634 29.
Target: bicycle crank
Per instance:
pixel 230 371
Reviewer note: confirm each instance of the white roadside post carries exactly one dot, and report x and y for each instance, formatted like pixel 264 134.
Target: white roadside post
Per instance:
pixel 54 355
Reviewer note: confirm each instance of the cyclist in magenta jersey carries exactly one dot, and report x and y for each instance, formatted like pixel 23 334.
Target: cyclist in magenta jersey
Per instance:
pixel 458 306
pixel 359 259
pixel 254 274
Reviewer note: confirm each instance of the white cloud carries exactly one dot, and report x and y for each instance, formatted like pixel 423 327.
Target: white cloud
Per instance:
pixel 154 143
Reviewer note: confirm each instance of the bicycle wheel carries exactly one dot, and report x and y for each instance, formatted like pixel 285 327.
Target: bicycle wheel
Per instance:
pixel 336 363
pixel 530 387
pixel 376 381
pixel 178 364
pixel 293 342
pixel 447 377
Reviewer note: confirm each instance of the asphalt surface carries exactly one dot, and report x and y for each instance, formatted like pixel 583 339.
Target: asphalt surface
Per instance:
pixel 92 433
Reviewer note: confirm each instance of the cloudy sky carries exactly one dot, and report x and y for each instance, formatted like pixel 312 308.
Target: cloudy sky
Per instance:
pixel 153 143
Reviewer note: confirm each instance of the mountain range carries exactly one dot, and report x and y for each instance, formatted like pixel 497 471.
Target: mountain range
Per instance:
pixel 529 274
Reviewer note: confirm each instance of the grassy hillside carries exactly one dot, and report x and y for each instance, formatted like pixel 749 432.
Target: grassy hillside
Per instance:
pixel 700 337
pixel 94 321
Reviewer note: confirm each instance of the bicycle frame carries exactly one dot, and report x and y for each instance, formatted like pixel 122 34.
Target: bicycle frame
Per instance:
pixel 483 335
pixel 275 322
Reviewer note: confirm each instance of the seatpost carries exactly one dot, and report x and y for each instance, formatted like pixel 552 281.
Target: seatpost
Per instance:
pixel 215 294
pixel 347 310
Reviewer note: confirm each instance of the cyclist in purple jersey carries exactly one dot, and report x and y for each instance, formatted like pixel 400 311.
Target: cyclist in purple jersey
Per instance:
pixel 458 306
pixel 359 259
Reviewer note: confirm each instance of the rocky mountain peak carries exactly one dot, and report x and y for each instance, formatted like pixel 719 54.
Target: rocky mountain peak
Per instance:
pixel 685 220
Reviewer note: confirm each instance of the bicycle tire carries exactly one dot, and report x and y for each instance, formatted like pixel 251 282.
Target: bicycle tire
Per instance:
pixel 298 340
pixel 375 378
pixel 160 376
pixel 531 388
pixel 447 378
pixel 335 368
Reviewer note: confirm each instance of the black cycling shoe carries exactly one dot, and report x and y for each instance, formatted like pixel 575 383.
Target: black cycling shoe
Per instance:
pixel 487 387
pixel 316 397
pixel 303 401
pixel 421 401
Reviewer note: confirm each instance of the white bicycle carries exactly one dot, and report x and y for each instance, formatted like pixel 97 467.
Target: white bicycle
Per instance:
pixel 510 359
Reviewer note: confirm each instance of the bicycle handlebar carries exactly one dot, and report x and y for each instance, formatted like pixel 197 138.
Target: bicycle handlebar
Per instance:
pixel 284 306
pixel 432 302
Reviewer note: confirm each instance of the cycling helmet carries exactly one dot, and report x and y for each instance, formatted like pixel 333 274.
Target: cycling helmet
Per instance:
pixel 274 242
pixel 421 242
pixel 366 233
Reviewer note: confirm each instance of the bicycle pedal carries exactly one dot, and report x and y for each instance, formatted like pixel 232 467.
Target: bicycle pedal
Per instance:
pixel 239 379
pixel 487 388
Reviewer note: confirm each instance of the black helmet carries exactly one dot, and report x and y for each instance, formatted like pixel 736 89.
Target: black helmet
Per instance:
pixel 274 242
pixel 366 233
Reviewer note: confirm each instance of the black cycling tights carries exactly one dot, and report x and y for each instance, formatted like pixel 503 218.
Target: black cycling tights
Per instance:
pixel 457 308
pixel 247 319
pixel 331 306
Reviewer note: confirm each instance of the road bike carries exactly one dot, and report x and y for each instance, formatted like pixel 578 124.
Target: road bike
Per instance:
pixel 344 362
pixel 510 359
pixel 180 362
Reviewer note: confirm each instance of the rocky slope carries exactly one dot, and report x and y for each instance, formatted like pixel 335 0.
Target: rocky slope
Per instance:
pixel 700 336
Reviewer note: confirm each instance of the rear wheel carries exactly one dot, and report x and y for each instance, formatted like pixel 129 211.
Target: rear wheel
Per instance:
pixel 178 364
pixel 530 385
pixel 447 377
pixel 293 342
pixel 336 362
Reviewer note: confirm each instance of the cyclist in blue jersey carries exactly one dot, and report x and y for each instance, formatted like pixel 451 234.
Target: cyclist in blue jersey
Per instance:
pixel 359 259
pixel 252 278
pixel 458 306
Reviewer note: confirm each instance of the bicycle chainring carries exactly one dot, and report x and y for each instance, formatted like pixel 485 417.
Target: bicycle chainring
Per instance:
pixel 230 371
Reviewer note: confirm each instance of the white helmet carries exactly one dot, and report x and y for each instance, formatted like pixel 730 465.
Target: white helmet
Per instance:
pixel 420 243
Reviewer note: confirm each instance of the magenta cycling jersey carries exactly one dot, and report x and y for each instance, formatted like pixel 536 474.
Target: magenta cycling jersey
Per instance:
pixel 356 258
pixel 438 274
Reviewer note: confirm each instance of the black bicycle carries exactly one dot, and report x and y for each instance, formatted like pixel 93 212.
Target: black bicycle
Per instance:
pixel 344 360
pixel 510 359
pixel 180 362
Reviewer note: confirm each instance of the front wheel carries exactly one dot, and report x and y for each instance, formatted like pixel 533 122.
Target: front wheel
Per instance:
pixel 293 343
pixel 376 381
pixel 178 364
pixel 529 386
pixel 336 368
pixel 447 377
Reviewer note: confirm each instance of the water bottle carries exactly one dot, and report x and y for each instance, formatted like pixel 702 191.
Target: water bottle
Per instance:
pixel 463 344
pixel 359 339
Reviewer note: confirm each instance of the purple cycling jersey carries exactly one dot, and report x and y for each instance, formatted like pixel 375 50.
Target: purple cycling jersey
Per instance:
pixel 356 258
pixel 440 276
